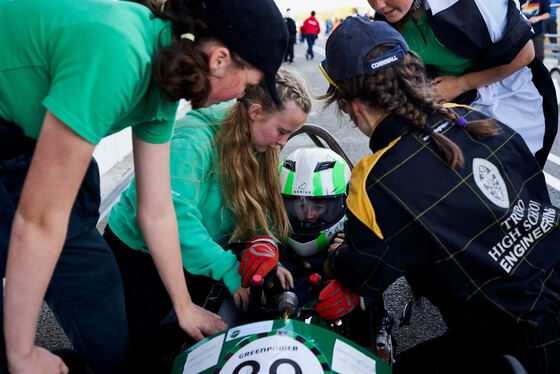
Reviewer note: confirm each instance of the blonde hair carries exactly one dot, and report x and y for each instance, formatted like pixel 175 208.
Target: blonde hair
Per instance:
pixel 249 182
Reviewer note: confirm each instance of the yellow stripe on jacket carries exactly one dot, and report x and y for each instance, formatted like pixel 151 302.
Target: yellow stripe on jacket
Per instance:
pixel 358 200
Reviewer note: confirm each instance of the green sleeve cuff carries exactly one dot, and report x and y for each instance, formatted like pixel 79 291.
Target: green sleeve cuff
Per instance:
pixel 232 279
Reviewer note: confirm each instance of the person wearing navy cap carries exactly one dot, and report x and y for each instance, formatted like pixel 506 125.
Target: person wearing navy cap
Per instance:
pixel 450 199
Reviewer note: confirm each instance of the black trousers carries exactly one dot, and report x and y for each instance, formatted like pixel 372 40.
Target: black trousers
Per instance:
pixel 551 27
pixel 310 42
pixel 290 50
pixel 467 353
pixel 85 292
pixel 155 337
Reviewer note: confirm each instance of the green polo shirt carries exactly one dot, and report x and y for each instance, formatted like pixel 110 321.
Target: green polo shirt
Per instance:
pixel 89 62
pixel 205 224
pixel 421 39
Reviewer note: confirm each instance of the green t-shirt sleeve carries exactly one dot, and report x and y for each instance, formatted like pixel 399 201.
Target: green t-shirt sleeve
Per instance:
pixel 156 132
pixel 97 77
pixel 191 168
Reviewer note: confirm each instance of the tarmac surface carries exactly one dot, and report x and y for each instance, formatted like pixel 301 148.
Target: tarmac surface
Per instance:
pixel 426 321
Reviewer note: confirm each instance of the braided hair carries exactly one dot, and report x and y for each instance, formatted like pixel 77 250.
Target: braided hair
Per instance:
pixel 404 90
pixel 249 182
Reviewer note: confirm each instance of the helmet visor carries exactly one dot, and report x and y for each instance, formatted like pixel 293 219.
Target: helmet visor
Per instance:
pixel 309 216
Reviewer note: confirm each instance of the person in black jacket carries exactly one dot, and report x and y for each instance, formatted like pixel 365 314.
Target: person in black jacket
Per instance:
pixel 450 199
pixel 292 36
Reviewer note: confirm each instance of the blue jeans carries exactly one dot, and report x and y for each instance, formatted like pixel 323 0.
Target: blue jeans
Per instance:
pixel 310 42
pixel 85 292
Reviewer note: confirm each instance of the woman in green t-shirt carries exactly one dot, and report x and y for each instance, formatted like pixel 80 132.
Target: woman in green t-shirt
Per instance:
pixel 225 188
pixel 73 73
pixel 481 54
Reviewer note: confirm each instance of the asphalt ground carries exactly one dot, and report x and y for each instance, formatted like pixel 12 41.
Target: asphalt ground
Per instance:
pixel 426 321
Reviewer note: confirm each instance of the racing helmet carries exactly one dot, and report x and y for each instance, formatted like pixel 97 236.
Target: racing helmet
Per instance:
pixel 314 184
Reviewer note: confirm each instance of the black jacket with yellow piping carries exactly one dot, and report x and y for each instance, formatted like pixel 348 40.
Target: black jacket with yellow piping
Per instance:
pixel 481 241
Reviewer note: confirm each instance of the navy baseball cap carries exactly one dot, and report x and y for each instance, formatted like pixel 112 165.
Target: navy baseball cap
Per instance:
pixel 351 41
pixel 254 29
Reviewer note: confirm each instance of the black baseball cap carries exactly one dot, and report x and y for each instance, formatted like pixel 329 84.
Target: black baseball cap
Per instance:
pixel 254 29
pixel 351 41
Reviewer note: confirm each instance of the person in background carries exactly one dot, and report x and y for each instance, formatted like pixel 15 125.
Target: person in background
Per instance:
pixel 452 200
pixel 310 30
pixel 537 12
pixel 337 22
pixel 490 64
pixel 224 184
pixel 328 26
pixel 550 25
pixel 292 36
pixel 76 72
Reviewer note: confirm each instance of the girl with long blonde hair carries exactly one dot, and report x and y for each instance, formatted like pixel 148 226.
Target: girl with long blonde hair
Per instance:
pixel 224 181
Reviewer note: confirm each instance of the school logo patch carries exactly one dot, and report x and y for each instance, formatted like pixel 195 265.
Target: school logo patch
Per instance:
pixel 489 180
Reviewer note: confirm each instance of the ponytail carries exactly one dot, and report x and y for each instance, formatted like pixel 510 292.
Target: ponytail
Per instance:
pixel 181 69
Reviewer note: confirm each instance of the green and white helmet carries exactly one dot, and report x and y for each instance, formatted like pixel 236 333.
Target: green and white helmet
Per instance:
pixel 314 184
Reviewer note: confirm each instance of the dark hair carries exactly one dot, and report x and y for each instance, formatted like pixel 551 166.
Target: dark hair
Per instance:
pixel 181 69
pixel 403 89
pixel 312 12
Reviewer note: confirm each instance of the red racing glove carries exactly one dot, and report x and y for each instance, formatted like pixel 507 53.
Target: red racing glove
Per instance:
pixel 259 258
pixel 336 301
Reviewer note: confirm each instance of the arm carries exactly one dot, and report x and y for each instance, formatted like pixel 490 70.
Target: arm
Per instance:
pixel 156 218
pixel 201 254
pixel 367 264
pixel 37 237
pixel 544 11
pixel 449 87
pixel 540 17
pixel 202 219
pixel 358 261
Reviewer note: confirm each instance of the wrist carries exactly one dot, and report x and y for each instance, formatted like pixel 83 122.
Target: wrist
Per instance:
pixel 17 355
pixel 232 279
pixel 19 342
pixel 183 308
pixel 465 83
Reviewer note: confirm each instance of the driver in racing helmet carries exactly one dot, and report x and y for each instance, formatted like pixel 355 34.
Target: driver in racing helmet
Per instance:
pixel 314 184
